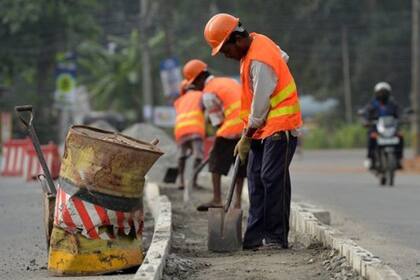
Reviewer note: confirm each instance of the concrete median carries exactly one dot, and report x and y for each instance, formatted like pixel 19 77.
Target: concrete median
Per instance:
pixel 154 261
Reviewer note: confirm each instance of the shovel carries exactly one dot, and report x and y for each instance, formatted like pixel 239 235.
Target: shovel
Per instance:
pixel 225 224
pixel 48 187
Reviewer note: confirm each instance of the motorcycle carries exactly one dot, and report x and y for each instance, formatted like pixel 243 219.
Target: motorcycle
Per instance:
pixel 385 162
pixel 387 141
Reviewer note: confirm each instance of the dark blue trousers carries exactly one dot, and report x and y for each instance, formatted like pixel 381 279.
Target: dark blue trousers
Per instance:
pixel 269 189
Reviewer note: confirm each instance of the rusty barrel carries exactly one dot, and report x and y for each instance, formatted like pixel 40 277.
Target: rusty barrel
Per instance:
pixel 98 218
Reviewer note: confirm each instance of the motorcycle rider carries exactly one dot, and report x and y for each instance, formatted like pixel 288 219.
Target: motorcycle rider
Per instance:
pixel 381 105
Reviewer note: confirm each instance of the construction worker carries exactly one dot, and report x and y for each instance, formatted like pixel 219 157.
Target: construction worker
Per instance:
pixel 222 101
pixel 189 128
pixel 271 112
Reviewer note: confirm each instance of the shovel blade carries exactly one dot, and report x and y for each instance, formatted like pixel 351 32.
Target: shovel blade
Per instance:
pixel 224 230
pixel 170 175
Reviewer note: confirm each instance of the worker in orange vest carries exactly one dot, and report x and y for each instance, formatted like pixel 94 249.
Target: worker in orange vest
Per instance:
pixel 222 102
pixel 189 128
pixel 271 112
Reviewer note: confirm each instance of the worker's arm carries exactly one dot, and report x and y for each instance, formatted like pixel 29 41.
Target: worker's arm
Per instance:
pixel 263 83
pixel 213 106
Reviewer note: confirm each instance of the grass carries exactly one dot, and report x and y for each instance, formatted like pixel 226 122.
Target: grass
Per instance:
pixel 343 136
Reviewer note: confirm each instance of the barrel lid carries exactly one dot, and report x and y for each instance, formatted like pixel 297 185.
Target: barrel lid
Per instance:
pixel 114 138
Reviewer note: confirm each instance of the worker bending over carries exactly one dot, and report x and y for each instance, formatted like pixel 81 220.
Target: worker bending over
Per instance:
pixel 222 101
pixel 271 112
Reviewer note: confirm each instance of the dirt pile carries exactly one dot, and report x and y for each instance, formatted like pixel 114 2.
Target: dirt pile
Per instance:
pixel 181 268
pixel 337 266
pixel 147 132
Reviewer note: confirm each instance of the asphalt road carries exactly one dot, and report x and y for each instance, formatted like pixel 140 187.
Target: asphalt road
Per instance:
pixel 384 220
pixel 23 251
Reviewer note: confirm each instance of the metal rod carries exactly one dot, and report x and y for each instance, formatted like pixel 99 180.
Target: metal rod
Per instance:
pixel 232 184
pixel 37 146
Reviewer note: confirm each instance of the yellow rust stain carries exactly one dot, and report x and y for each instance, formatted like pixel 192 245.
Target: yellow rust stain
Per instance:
pixel 76 255
pixel 105 167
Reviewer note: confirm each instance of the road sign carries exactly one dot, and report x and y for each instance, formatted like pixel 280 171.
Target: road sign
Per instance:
pixel 170 75
pixel 65 76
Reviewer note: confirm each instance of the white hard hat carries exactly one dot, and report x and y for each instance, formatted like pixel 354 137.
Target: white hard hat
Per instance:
pixel 383 86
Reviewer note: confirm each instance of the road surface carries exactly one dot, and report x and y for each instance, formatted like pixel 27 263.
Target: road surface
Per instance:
pixel 23 253
pixel 384 220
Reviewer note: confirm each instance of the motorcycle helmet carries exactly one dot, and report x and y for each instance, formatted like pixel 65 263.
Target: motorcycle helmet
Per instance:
pixel 382 91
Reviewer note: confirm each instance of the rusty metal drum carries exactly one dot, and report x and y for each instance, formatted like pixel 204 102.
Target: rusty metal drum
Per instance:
pixel 99 212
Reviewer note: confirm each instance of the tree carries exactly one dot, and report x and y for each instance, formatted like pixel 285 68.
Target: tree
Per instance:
pixel 112 73
pixel 31 34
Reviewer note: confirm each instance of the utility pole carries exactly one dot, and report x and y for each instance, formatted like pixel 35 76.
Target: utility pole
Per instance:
pixel 346 74
pixel 144 21
pixel 415 75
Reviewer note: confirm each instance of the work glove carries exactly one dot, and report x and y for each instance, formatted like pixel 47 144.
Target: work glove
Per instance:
pixel 242 148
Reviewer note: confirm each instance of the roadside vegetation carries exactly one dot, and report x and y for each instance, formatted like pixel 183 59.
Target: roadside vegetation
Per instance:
pixel 325 133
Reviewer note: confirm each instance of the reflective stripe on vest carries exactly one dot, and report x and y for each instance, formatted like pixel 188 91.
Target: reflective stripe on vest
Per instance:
pixel 189 115
pixel 190 118
pixel 284 113
pixel 283 94
pixel 229 93
pixel 189 122
pixel 277 99
pixel 232 107
pixel 230 123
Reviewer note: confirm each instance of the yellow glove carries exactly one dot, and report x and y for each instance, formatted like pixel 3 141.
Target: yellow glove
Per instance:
pixel 242 148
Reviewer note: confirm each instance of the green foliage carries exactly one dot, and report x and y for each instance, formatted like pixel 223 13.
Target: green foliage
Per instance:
pixel 346 136
pixel 32 32
pixel 113 76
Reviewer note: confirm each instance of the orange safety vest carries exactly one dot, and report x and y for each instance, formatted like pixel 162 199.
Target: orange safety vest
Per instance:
pixel 284 113
pixel 189 115
pixel 229 92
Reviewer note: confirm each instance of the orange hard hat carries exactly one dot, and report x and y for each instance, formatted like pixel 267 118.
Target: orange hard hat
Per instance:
pixel 218 29
pixel 192 69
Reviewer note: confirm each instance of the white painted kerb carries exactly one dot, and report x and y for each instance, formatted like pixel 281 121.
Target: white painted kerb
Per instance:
pixel 303 220
pixel 154 261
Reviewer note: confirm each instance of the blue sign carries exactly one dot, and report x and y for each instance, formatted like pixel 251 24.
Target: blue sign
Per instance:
pixel 170 75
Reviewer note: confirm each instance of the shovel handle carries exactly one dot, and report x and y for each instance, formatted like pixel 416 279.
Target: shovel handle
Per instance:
pixel 232 184
pixel 35 142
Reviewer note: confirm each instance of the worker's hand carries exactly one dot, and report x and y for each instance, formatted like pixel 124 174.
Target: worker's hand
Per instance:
pixel 242 148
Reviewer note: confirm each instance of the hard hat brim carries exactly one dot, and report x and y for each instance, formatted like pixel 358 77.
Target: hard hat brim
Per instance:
pixel 216 50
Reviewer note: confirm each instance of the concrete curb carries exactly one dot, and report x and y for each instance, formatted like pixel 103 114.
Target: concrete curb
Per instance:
pixel 312 226
pixel 154 262
pixel 304 221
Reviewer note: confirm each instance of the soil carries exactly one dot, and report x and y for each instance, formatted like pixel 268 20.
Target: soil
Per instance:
pixel 190 259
